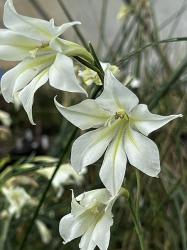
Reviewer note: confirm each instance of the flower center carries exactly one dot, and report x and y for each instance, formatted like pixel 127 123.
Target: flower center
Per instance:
pixel 44 44
pixel 121 115
pixel 97 208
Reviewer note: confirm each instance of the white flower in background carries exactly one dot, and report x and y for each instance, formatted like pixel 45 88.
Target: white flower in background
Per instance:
pixel 5 118
pixel 34 42
pixel 89 76
pixel 135 83
pixel 124 11
pixel 17 198
pixel 5 122
pixel 44 232
pixel 132 81
pixel 66 175
pixel 91 217
pixel 122 126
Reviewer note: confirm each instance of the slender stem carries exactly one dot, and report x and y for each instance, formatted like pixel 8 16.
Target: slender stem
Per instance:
pixel 97 62
pixel 87 64
pixel 162 91
pixel 65 150
pixel 173 16
pixel 90 66
pixel 102 26
pixel 39 9
pixel 155 43
pixel 126 31
pixel 70 18
pixel 137 192
pixel 137 225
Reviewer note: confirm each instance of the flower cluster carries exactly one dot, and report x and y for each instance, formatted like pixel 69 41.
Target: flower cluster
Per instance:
pixel 119 124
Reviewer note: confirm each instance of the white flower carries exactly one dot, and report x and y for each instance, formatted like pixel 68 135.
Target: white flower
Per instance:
pixel 91 217
pixel 34 41
pixel 89 76
pixel 132 81
pixel 124 11
pixel 17 198
pixel 66 175
pixel 122 126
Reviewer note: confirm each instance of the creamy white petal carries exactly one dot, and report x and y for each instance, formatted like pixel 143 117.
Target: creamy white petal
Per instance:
pixel 76 208
pixel 101 233
pixel 18 77
pixel 89 147
pixel 62 75
pixel 100 195
pixel 71 227
pixel 8 82
pixel 142 153
pixel 84 115
pixel 61 29
pixel 15 47
pixel 114 165
pixel 15 79
pixel 26 95
pixel 115 96
pixel 11 53
pixel 86 242
pixel 147 122
pixel 32 27
pixel 25 77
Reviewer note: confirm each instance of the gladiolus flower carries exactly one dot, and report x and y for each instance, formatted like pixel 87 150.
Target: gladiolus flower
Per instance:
pixel 36 44
pixel 91 217
pixel 122 126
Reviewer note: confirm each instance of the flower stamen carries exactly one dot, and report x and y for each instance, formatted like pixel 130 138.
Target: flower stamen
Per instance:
pixel 121 115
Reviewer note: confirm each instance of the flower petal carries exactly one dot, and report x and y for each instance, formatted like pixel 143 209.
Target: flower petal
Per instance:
pixel 71 227
pixel 146 122
pixel 61 29
pixel 15 79
pixel 114 165
pixel 15 47
pixel 32 27
pixel 76 208
pixel 101 195
pixel 115 96
pixel 89 147
pixel 87 242
pixel 26 95
pixel 62 75
pixel 84 115
pixel 101 233
pixel 142 153
pixel 18 77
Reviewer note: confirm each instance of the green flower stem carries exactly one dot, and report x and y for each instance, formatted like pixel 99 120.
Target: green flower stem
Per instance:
pixel 137 192
pixel 90 66
pixel 65 150
pixel 155 43
pixel 162 91
pixel 137 225
pixel 97 62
